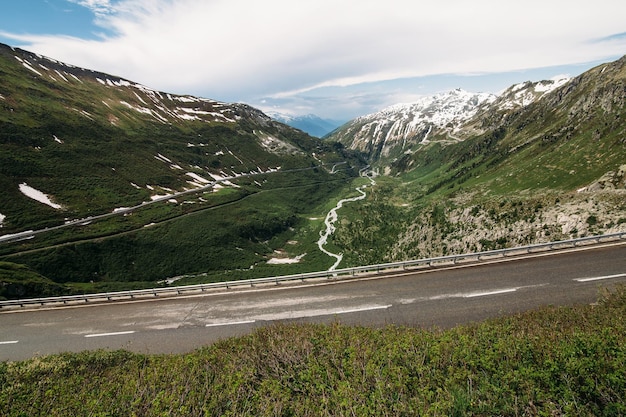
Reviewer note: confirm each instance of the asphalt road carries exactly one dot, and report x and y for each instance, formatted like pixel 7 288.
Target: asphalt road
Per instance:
pixel 444 297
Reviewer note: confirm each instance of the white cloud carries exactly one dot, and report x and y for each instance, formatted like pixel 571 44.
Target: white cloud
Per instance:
pixel 239 49
pixel 97 6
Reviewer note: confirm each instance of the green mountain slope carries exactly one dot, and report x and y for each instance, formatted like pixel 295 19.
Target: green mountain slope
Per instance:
pixel 565 140
pixel 75 144
pixel 549 170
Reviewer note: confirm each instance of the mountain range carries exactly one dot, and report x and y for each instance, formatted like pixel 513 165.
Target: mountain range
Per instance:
pixel 449 116
pixel 61 126
pixel 131 187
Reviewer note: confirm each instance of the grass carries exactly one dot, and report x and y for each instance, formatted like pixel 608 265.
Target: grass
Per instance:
pixel 553 361
pixel 226 236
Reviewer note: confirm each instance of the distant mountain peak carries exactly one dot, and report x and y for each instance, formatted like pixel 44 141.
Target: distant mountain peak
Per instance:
pixel 395 129
pixel 447 116
pixel 309 123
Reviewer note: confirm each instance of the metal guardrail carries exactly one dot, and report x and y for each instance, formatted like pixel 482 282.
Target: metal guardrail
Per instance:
pixel 428 262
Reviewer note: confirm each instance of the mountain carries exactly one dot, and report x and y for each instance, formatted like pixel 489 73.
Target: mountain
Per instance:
pixel 63 127
pixel 310 123
pixel 396 129
pixel 450 117
pixel 76 144
pixel 492 114
pixel 541 162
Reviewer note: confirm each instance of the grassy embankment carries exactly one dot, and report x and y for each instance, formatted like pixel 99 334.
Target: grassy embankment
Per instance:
pixel 552 361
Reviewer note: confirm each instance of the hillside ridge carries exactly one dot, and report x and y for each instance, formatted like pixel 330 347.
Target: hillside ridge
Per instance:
pixel 78 148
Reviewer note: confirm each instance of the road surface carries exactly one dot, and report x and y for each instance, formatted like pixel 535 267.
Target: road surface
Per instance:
pixel 443 297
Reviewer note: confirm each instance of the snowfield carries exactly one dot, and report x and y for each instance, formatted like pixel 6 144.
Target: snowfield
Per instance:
pixel 37 195
pixel 286 261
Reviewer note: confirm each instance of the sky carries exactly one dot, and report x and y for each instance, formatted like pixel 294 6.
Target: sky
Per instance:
pixel 338 59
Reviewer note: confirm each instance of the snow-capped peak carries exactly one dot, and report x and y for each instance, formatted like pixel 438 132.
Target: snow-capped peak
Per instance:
pixel 397 128
pixel 523 94
pixel 453 106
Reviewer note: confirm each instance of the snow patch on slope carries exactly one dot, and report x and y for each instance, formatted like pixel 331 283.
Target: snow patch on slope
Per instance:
pixel 37 195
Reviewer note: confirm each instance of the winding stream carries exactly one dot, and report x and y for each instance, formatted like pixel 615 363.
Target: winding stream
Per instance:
pixel 331 218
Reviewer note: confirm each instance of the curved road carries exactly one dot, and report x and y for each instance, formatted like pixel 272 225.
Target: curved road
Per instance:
pixel 442 297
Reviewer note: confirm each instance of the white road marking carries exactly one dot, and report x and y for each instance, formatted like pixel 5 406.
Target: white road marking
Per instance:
pixel 318 312
pixel 600 278
pixel 110 334
pixel 9 342
pixel 471 294
pixel 358 310
pixel 290 315
pixel 232 323
pixel 485 293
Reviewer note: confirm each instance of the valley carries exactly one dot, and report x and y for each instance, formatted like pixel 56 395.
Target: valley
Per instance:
pixel 543 161
pixel 279 208
pixel 147 185
pixel 107 185
pixel 139 188
pixel 332 217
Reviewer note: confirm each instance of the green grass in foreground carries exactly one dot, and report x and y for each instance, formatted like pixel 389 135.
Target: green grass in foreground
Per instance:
pixel 552 361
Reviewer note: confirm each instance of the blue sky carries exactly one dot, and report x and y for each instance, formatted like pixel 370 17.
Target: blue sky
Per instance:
pixel 47 17
pixel 335 58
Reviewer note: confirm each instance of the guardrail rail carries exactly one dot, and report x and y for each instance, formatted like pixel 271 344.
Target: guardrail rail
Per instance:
pixel 337 273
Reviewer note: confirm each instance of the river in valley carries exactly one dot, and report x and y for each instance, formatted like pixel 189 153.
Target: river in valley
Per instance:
pixel 332 217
